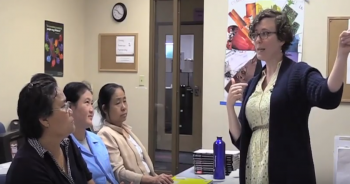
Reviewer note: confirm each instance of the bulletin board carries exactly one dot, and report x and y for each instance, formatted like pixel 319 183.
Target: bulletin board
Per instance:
pixel 117 52
pixel 336 25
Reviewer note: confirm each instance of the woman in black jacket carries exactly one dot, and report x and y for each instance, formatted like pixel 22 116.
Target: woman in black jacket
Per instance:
pixel 271 131
pixel 47 156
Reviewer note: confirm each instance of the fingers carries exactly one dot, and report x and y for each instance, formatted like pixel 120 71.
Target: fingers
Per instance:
pixel 166 179
pixel 345 33
pixel 238 86
pixel 233 81
pixel 345 37
pixel 345 40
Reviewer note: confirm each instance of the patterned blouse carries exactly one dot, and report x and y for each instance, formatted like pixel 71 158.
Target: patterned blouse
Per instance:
pixel 258 113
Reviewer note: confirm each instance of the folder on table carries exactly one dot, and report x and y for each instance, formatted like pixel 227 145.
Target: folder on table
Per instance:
pixel 181 180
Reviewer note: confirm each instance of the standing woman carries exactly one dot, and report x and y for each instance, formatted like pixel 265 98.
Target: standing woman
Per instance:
pixel 91 146
pixel 271 131
pixel 46 121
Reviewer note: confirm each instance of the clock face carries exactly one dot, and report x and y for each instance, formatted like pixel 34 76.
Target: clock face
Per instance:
pixel 118 12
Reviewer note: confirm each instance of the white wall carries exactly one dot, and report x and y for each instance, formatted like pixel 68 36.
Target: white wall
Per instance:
pixel 99 20
pixel 22 45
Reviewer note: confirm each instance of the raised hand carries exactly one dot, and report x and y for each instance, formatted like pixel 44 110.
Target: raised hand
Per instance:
pixel 344 43
pixel 235 93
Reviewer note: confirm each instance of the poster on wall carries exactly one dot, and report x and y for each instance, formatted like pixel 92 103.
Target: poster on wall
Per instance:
pixel 53 48
pixel 241 62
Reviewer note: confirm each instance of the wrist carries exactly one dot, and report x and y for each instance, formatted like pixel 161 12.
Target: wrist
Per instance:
pixel 230 107
pixel 148 179
pixel 341 56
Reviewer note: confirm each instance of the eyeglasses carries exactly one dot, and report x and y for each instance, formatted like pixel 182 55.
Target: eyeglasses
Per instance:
pixel 67 106
pixel 263 35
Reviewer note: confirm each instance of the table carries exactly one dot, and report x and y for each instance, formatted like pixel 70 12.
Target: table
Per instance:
pixel 4 167
pixel 3 170
pixel 231 179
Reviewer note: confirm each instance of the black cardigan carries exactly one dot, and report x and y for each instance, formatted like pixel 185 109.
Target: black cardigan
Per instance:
pixel 29 167
pixel 298 88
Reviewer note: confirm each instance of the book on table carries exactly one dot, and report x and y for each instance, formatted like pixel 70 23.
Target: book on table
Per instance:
pixel 203 161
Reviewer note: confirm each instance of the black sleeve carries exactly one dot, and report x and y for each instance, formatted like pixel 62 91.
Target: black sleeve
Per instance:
pixel 81 162
pixel 236 143
pixel 315 87
pixel 24 170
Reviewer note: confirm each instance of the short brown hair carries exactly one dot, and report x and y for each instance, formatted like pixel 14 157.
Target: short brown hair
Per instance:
pixel 283 26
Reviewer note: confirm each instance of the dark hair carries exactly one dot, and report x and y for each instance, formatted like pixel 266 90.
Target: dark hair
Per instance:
pixel 35 101
pixel 284 30
pixel 105 96
pixel 74 90
pixel 42 76
pixel 87 84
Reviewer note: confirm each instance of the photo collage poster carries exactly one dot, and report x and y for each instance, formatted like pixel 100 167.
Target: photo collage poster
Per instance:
pixel 241 62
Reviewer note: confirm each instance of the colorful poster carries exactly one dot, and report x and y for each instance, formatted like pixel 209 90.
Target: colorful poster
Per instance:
pixel 53 57
pixel 241 62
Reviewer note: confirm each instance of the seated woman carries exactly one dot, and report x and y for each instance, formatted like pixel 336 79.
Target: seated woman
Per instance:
pixel 46 121
pixel 91 146
pixel 129 159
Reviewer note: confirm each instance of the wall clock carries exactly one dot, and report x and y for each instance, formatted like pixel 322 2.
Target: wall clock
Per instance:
pixel 119 12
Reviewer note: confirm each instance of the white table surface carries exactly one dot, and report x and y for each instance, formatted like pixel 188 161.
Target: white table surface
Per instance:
pixel 4 167
pixel 231 179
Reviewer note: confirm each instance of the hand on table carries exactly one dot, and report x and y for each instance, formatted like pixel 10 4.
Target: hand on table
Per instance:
pixel 163 179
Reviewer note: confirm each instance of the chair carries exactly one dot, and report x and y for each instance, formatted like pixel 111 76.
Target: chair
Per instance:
pixel 2 128
pixel 2 178
pixel 14 125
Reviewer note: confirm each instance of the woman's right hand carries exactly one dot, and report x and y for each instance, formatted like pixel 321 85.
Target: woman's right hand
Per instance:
pixel 235 93
pixel 163 179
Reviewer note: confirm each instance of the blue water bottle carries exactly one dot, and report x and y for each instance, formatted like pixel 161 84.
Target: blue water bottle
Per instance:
pixel 219 159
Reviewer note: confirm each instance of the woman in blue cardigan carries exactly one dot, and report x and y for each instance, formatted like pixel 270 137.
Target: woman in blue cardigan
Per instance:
pixel 91 145
pixel 271 130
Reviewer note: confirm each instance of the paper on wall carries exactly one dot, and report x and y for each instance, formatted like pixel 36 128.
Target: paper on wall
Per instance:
pixel 348 63
pixel 343 166
pixel 348 70
pixel 341 159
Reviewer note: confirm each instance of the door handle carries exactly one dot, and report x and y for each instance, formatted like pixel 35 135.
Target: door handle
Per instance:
pixel 169 87
pixel 196 91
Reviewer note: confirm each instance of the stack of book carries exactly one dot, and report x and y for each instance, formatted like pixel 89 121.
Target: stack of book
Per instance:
pixel 203 161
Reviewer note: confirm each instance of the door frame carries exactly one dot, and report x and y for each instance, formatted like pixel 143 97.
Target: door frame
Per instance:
pixel 152 114
pixel 175 101
pixel 194 140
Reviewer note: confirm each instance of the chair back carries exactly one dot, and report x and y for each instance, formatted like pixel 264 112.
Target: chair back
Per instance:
pixel 14 125
pixel 2 178
pixel 2 128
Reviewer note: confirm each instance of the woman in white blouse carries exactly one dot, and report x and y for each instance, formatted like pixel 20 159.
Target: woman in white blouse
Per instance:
pixel 130 160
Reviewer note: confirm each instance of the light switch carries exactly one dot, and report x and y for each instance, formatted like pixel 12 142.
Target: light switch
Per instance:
pixel 141 80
